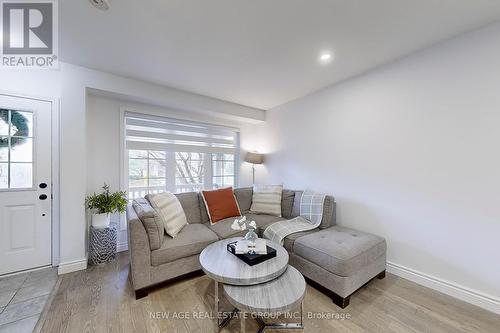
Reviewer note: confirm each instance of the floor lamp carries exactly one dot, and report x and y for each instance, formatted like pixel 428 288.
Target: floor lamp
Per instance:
pixel 254 158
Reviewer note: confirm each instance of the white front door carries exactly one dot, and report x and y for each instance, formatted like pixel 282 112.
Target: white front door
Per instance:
pixel 25 183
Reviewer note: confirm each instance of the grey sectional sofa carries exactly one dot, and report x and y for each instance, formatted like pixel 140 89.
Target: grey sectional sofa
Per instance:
pixel 335 259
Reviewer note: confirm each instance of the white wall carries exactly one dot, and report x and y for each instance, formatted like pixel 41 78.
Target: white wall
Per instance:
pixel 250 139
pixel 103 150
pixel 35 83
pixel 410 151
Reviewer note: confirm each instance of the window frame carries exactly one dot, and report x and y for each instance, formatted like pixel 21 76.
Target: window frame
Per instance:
pixel 170 172
pixel 34 142
pixel 148 160
pixel 222 162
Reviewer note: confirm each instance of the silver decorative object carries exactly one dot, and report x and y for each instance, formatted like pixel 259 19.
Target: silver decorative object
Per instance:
pixel 251 237
pixel 102 245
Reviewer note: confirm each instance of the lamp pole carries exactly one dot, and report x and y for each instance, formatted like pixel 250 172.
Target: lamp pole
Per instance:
pixel 254 158
pixel 253 174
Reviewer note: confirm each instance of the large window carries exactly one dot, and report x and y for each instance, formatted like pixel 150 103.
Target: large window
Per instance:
pixel 165 154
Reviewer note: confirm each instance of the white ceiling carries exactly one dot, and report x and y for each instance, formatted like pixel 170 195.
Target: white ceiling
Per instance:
pixel 259 53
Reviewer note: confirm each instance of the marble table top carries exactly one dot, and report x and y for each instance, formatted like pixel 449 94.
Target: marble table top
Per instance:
pixel 226 268
pixel 284 293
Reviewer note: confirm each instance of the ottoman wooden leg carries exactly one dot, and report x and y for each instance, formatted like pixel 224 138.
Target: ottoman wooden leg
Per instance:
pixel 141 293
pixel 341 302
pixel 381 275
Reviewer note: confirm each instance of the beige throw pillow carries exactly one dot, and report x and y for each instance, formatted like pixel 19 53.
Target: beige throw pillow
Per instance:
pixel 169 210
pixel 266 199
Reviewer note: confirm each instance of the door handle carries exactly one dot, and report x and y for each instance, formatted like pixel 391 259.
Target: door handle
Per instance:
pixel 42 196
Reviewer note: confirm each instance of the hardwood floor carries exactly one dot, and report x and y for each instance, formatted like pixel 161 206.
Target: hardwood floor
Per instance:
pixel 100 299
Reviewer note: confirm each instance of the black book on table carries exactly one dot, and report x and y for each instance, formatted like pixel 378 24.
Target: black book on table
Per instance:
pixel 252 259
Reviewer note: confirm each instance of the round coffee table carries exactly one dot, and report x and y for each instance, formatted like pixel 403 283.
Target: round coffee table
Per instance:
pixel 226 268
pixel 282 294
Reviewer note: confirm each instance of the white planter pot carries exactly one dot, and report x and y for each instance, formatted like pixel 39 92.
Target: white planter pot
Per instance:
pixel 100 220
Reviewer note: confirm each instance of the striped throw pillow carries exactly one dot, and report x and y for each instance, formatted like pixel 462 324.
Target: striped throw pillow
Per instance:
pixel 266 199
pixel 169 210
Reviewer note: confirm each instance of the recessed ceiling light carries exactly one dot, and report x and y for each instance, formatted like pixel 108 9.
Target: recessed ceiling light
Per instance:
pixel 325 57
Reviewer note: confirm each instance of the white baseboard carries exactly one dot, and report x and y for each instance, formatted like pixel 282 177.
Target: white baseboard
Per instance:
pixel 465 294
pixel 121 247
pixel 72 266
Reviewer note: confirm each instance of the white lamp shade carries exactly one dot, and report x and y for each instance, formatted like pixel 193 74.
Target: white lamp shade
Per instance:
pixel 254 158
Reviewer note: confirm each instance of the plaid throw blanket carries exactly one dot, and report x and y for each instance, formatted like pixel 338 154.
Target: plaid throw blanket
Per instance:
pixel 311 213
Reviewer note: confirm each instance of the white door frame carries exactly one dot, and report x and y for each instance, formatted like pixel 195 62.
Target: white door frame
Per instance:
pixel 55 132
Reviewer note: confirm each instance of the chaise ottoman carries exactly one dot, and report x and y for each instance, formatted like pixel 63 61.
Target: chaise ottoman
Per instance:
pixel 339 259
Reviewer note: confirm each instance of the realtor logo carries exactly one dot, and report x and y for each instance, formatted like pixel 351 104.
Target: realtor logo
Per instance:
pixel 29 34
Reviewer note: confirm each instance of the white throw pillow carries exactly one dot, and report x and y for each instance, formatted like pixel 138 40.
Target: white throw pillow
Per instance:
pixel 169 209
pixel 266 199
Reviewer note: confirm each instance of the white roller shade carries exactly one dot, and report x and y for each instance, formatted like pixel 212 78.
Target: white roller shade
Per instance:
pixel 144 132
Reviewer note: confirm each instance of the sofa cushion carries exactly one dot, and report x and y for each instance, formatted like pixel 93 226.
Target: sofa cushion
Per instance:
pixel 220 204
pixel 341 251
pixel 266 199
pixel 223 228
pixel 287 199
pixel 151 221
pixel 191 240
pixel 191 204
pixel 263 220
pixel 203 209
pixel 296 204
pixel 290 239
pixel 244 198
pixel 328 219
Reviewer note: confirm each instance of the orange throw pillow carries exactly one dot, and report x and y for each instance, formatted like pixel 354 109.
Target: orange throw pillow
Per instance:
pixel 220 204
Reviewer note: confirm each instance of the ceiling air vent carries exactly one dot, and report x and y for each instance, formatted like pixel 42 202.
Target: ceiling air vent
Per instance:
pixel 101 4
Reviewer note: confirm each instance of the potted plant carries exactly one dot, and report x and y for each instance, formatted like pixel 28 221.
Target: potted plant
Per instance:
pixel 105 203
